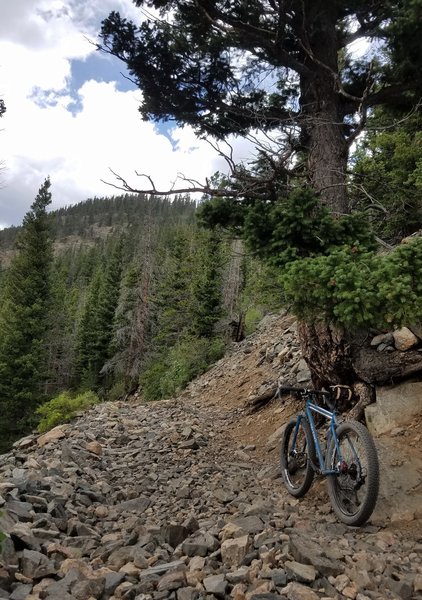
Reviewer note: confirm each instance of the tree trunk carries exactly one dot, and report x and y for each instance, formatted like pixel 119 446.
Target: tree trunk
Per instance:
pixel 330 353
pixel 322 122
pixel 326 349
pixel 327 352
pixel 336 357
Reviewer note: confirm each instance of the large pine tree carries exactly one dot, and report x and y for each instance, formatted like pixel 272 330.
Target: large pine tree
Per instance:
pixel 284 70
pixel 23 321
pixel 279 67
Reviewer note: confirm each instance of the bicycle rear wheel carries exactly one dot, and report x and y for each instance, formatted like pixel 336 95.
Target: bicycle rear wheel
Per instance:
pixel 353 490
pixel 297 456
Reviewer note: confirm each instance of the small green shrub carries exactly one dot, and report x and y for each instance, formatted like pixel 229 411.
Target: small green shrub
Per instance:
pixel 63 408
pixel 357 288
pixel 190 357
pixel 252 317
pixel 151 380
pixel 117 391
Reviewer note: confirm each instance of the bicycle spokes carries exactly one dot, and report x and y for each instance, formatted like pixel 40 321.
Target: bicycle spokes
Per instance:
pixel 354 486
pixel 297 454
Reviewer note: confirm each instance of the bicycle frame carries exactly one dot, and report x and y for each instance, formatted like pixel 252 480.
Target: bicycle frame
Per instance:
pixel 310 408
pixel 348 460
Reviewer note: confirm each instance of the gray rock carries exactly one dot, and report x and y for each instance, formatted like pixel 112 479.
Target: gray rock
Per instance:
pixel 297 591
pixel 401 587
pixel 163 568
pixel 137 504
pixel 264 596
pixel 300 572
pixel 172 581
pixel 24 537
pixel 88 588
pixel 187 593
pixel 190 444
pixel 36 565
pixel 223 495
pixel 216 584
pixel 23 510
pixel 251 524
pixel 174 534
pixel 383 338
pixel 112 580
pixel 279 577
pixel 308 552
pixel 404 339
pixel 200 545
pixel 233 552
pixel 21 592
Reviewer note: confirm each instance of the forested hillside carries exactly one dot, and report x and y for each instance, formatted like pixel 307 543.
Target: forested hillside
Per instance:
pixel 132 293
pixel 135 295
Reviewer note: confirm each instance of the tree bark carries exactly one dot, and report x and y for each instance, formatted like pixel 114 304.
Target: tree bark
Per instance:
pixel 384 368
pixel 327 351
pixel 323 133
pixel 336 357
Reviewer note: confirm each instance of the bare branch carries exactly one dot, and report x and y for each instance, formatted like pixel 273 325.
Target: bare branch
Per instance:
pixel 152 191
pixel 374 202
pixel 383 243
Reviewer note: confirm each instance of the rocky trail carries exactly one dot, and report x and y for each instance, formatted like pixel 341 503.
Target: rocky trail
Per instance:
pixel 182 499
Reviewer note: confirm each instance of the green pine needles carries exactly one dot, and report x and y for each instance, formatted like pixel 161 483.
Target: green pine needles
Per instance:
pixel 332 269
pixel 329 268
pixel 24 321
pixel 354 287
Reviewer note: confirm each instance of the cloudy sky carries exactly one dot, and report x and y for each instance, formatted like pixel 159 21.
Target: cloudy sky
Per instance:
pixel 72 115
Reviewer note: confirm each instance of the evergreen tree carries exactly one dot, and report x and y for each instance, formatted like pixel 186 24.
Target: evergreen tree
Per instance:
pixel 133 318
pixel 284 69
pixel 187 305
pixel 387 174
pixel 173 295
pixel 206 285
pixel 279 67
pixel 24 321
pixel 61 335
pixel 96 325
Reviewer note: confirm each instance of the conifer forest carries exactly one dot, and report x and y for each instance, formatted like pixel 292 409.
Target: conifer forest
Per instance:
pixel 114 295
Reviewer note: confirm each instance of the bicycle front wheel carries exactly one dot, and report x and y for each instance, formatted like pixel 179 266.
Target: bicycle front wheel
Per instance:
pixel 297 455
pixel 353 489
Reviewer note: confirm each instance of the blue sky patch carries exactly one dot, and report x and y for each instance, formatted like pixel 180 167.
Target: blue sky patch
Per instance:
pixel 102 68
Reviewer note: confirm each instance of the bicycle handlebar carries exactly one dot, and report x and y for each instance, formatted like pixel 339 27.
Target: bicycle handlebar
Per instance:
pixel 303 391
pixel 326 397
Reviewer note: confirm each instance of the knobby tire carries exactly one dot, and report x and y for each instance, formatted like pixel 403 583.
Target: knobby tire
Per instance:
pixel 296 470
pixel 353 491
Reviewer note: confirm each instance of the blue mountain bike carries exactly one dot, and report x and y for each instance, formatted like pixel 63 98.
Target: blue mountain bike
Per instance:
pixel 348 459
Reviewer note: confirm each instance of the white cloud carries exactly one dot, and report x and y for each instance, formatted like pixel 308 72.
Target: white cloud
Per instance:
pixel 58 24
pixel 41 136
pixel 77 150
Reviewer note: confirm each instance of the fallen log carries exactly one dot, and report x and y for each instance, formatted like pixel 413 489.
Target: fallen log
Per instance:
pixel 255 403
pixel 384 368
